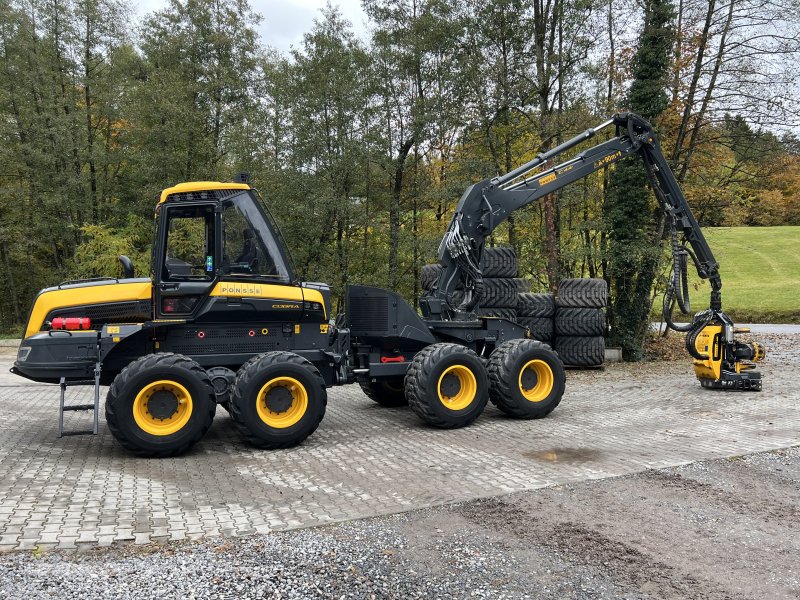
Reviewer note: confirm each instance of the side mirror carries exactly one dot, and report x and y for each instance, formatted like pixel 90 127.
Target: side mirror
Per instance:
pixel 127 266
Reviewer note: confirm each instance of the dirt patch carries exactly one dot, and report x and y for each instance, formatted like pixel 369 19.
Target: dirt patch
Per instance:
pixel 572 456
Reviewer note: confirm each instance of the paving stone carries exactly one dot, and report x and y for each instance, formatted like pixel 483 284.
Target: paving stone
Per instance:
pixel 366 460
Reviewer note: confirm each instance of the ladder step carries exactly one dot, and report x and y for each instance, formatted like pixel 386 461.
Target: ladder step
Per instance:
pixel 77 432
pixel 62 407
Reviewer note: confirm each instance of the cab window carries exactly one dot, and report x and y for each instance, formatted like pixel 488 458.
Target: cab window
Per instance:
pixel 249 247
pixel 189 244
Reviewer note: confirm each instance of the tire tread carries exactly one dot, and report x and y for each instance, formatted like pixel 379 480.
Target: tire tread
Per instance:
pixel 582 293
pixel 581 351
pixel 248 370
pixel 580 322
pixel 145 363
pixel 501 362
pixel 418 378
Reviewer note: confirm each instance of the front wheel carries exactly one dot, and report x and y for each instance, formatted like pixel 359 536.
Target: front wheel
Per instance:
pixel 526 379
pixel 160 405
pixel 278 400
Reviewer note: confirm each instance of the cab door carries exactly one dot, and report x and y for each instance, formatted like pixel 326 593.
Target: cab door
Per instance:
pixel 186 266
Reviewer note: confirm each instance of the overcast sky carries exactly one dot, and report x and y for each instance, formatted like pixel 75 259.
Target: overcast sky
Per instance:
pixel 284 21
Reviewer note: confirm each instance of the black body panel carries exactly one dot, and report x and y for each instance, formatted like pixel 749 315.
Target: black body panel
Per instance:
pixel 56 354
pixel 385 320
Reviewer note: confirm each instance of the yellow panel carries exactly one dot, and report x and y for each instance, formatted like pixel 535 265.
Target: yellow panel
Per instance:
pixel 704 344
pixel 201 186
pixel 271 291
pixel 93 294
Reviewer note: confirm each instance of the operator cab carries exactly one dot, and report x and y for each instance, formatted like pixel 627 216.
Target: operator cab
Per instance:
pixel 209 232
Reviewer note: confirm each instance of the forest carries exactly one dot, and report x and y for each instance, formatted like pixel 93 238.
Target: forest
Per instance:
pixel 361 140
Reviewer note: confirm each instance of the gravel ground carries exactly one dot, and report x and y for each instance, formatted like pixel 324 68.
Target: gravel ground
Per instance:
pixel 723 529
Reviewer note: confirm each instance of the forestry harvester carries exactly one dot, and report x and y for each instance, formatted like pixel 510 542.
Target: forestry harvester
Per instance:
pixel 222 319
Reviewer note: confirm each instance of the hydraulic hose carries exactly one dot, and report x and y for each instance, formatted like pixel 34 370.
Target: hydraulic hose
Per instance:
pixel 678 292
pixel 678 286
pixel 701 319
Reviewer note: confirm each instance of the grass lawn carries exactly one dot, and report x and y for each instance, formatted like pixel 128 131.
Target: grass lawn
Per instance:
pixel 760 269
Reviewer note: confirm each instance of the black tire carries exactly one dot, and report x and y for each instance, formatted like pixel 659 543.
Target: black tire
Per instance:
pixel 541 327
pixel 499 293
pixel 523 285
pixel 250 381
pixel 531 393
pixel 222 380
pixel 580 322
pixel 582 293
pixel 581 351
pixel 429 275
pixel 499 262
pixel 536 305
pixel 422 385
pixel 386 391
pixel 122 405
pixel 501 313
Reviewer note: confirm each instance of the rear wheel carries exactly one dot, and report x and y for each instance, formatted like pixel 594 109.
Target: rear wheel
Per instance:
pixel 160 405
pixel 447 386
pixel 526 379
pixel 386 391
pixel 278 400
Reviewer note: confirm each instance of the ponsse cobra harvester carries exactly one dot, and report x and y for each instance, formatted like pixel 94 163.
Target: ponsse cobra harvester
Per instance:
pixel 223 320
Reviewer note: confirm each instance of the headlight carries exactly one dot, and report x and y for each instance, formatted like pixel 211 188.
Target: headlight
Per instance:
pixel 22 354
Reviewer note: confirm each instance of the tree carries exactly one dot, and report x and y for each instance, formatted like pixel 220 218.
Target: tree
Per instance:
pixel 634 226
pixel 416 48
pixel 199 60
pixel 330 118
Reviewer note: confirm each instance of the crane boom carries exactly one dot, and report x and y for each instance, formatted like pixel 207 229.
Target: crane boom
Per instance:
pixel 486 204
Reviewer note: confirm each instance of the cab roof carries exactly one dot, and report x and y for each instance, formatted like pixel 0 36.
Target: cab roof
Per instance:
pixel 201 186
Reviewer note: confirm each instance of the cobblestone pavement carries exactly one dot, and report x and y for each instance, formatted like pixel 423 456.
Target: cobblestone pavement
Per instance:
pixel 366 460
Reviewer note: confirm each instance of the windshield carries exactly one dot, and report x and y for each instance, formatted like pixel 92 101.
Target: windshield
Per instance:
pixel 250 246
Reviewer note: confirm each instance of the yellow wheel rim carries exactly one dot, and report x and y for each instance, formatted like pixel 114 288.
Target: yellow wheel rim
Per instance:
pixel 282 402
pixel 162 407
pixel 457 387
pixel 536 380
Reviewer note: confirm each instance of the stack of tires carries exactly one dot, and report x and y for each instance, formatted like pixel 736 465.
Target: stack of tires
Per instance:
pixel 580 323
pixel 500 283
pixel 536 312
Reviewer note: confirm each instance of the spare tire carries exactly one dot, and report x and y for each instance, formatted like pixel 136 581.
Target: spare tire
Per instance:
pixel 523 285
pixel 499 293
pixel 581 351
pixel 501 313
pixel 541 327
pixel 536 305
pixel 582 293
pixel 580 321
pixel 499 262
pixel 429 275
